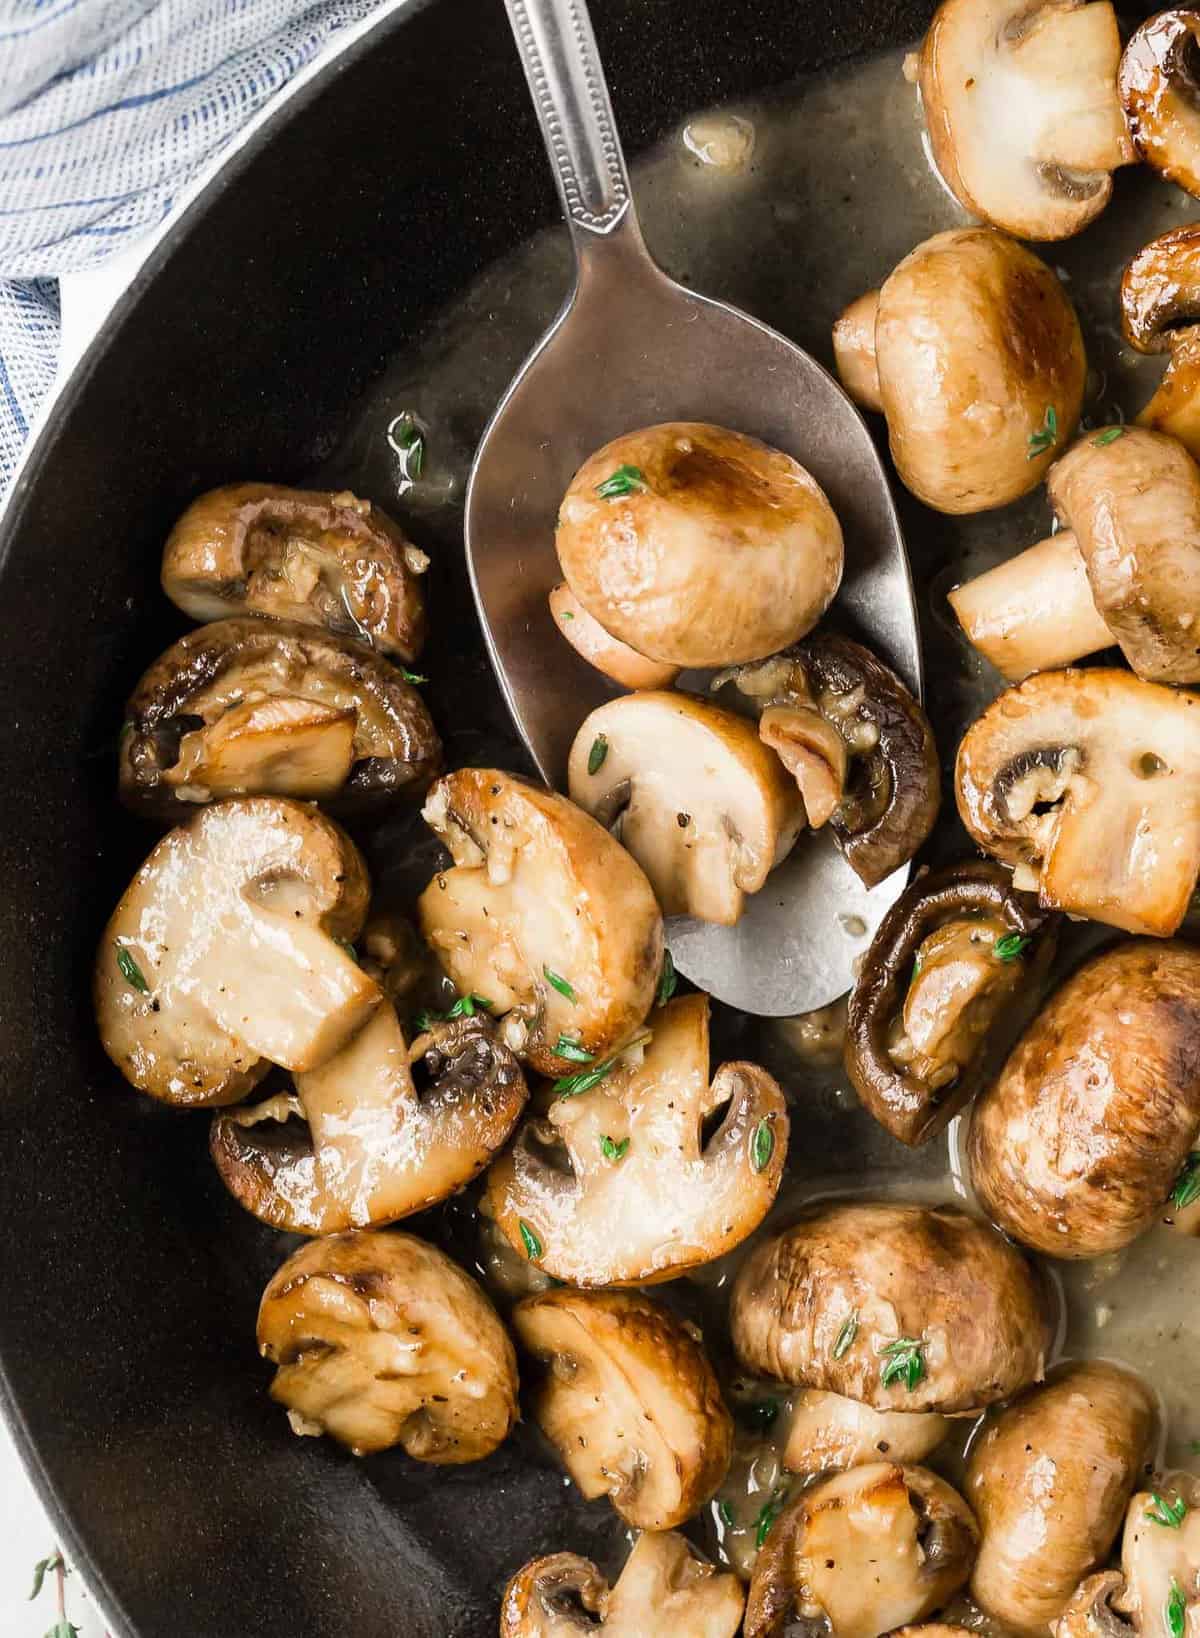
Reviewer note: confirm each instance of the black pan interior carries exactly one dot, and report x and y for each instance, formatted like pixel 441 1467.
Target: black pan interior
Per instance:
pixel 129 1281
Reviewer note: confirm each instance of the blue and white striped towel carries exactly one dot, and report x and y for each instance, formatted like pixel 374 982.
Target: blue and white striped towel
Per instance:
pixel 107 108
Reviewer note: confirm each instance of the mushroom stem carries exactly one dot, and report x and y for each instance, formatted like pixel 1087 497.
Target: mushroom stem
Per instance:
pixel 1033 613
pixel 854 351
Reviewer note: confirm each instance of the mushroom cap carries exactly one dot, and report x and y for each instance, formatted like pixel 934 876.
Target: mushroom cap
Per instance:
pixel 601 649
pixel 692 792
pixel 225 954
pixel 1158 83
pixel 539 891
pixel 674 1199
pixel 861 1553
pixel 1133 503
pixel 854 350
pixel 272 708
pixel 629 1401
pixel 976 342
pixel 724 549
pixel 1075 1146
pixel 1048 1481
pixel 367 1148
pixel 666 1586
pixel 1091 1611
pixel 1022 110
pixel 949 992
pixel 1156 1558
pixel 381 1340
pixel 827 1430
pixel 1089 783
pixel 819 1303
pixel 1160 287
pixel 304 555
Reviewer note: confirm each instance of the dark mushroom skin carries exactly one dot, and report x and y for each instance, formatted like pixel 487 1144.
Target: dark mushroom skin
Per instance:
pixel 891 790
pixel 391 747
pixel 1075 1147
pixel 1092 1611
pixel 825 1304
pixel 1159 85
pixel 1049 1481
pixel 1160 290
pixel 940 936
pixel 323 559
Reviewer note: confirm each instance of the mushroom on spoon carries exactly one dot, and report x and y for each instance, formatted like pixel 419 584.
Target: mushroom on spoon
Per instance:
pixel 633 350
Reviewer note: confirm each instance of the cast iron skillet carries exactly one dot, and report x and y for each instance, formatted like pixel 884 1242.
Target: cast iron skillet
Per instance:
pixel 129 1280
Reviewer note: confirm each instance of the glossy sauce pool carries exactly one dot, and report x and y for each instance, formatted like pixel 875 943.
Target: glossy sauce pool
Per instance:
pixel 835 191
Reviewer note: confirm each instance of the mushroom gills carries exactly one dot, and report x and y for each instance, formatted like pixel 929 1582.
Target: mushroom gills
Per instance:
pixel 1160 88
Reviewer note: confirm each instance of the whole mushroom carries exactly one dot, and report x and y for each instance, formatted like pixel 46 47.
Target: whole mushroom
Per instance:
pixel 902 1307
pixel 980 367
pixel 381 1340
pixel 1049 1481
pixel 322 559
pixel 1078 1142
pixel 1159 83
pixel 1123 569
pixel 698 546
pixel 1087 785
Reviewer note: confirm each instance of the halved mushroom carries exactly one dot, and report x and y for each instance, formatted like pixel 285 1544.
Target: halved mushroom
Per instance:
pixel 358 1145
pixel 599 648
pixel 698 546
pixel 322 559
pixel 666 1590
pixel 1087 784
pixel 1160 85
pixel 272 708
pixel 1049 1480
pixel 624 1186
pixel 1022 109
pixel 1160 1559
pixel 902 1307
pixel 860 1554
pixel 544 914
pixel 1092 1610
pixel 859 746
pixel 381 1340
pixel 1160 313
pixel 1123 570
pixel 1079 1141
pixel 979 361
pixel 691 791
pixel 629 1401
pixel 827 1430
pixel 952 956
pixel 225 954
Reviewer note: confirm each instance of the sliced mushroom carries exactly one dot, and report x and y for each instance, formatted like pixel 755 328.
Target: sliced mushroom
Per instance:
pixel 629 1401
pixel 361 1146
pixel 860 1554
pixel 1049 1480
pixel 980 365
pixel 691 791
pixel 1160 88
pixel 1160 313
pixel 859 746
pixel 1092 1612
pixel 903 1307
pixel 274 708
pixel 698 546
pixel 225 954
pixel 828 1430
pixel 1087 783
pixel 624 1186
pixel 381 1340
pixel 321 559
pixel 1160 1559
pixel 544 914
pixel 666 1590
pixel 1124 570
pixel 950 959
pixel 1022 110
pixel 599 648
pixel 1075 1147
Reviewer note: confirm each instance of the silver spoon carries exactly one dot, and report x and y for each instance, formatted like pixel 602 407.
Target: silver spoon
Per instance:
pixel 631 348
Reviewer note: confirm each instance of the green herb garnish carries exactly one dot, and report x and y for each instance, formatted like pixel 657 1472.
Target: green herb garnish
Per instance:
pixel 767 1517
pixel 1011 946
pixel 559 983
pixel 533 1246
pixel 1194 1446
pixel 1109 436
pixel 407 439
pixel 916 972
pixel 63 1629
pixel 758 1414
pixel 1170 1514
pixel 42 1569
pixel 668 981
pixel 130 971
pixel 597 754
pixel 614 1151
pixel 1046 436
pixel 846 1336
pixel 570 1086
pixel 1187 1187
pixel 725 1514
pixel 345 944
pixel 573 1052
pixel 1175 1610
pixel 412 676
pixel 903 1361
pixel 626 480
pixel 465 1007
pixel 763 1146
pixel 567 615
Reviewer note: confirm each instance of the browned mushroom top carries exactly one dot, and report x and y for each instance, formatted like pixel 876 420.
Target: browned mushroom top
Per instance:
pixel 1160 87
pixel 1160 290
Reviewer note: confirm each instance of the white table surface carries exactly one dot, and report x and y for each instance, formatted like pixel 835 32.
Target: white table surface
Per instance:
pixel 26 1536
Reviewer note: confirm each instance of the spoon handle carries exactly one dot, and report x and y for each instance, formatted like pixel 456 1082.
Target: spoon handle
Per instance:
pixel 566 81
